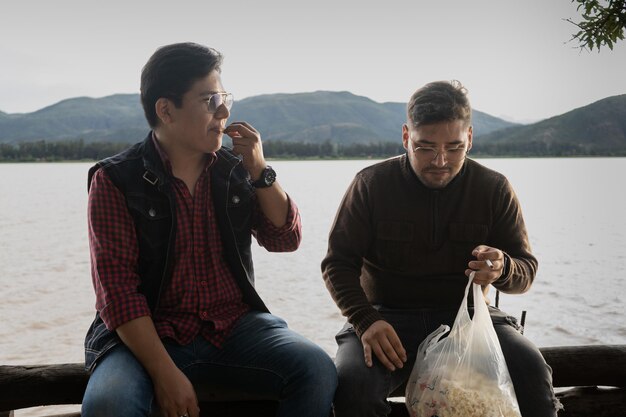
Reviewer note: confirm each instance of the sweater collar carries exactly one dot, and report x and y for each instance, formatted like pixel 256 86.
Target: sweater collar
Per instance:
pixel 411 177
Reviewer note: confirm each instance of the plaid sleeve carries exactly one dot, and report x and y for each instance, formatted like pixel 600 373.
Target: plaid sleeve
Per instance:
pixel 279 239
pixel 114 254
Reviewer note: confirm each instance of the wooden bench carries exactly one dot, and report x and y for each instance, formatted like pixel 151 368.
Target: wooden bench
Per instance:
pixel 594 375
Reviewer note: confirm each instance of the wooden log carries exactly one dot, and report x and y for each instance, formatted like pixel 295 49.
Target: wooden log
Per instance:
pixel 41 385
pixel 579 366
pixel 31 386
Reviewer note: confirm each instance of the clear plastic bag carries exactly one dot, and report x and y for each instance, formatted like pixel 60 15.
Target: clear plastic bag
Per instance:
pixel 464 374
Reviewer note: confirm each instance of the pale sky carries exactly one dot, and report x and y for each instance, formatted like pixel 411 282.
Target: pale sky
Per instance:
pixel 511 55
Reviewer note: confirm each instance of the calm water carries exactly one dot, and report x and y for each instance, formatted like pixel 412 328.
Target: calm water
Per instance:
pixel 574 209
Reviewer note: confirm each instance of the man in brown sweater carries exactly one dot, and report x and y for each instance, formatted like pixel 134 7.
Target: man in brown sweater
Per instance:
pixel 408 234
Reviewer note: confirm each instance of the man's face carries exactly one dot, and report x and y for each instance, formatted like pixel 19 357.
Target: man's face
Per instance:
pixel 194 127
pixel 448 143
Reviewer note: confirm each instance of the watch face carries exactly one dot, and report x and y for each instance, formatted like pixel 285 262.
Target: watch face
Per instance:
pixel 269 176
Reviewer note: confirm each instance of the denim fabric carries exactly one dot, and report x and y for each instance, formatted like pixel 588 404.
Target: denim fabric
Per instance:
pixel 261 356
pixel 363 391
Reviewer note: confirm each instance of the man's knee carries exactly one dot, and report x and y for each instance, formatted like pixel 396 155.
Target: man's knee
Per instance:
pixel 356 377
pixel 316 367
pixel 122 399
pixel 118 386
pixel 361 391
pixel 524 359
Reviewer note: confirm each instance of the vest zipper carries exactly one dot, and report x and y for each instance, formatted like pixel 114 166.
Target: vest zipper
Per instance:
pixel 230 224
pixel 170 248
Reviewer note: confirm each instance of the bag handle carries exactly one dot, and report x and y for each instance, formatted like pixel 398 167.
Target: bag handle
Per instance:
pixel 481 311
pixel 480 308
pixel 462 314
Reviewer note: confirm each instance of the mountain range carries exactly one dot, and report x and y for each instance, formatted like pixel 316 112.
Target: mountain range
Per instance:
pixel 338 117
pixel 596 129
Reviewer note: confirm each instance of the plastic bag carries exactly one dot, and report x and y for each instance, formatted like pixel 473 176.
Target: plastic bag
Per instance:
pixel 464 374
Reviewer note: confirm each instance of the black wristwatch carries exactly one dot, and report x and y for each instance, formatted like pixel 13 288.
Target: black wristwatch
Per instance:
pixel 267 178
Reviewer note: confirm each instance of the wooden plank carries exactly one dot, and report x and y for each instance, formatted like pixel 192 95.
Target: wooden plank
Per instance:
pixel 577 402
pixel 593 401
pixel 11 414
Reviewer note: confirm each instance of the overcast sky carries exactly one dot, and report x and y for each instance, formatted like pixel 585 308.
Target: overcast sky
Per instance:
pixel 512 55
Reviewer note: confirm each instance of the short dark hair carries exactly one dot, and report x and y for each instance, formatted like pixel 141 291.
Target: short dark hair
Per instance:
pixel 439 101
pixel 171 71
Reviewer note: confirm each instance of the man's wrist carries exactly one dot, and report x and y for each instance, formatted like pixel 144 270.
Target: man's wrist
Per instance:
pixel 506 267
pixel 265 179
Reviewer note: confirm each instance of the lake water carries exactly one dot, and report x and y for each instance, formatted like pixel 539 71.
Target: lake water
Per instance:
pixel 575 210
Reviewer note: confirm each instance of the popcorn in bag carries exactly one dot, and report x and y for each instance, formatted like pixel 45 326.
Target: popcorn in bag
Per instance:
pixel 464 374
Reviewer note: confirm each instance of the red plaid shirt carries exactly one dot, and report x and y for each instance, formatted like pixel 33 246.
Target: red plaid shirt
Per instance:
pixel 202 297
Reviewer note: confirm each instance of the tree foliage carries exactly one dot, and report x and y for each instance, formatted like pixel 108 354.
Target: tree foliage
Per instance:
pixel 76 150
pixel 602 23
pixel 79 150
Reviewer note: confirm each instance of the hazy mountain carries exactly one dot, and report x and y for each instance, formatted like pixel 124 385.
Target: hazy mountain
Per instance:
pixel 340 117
pixel 336 116
pixel 598 128
pixel 119 116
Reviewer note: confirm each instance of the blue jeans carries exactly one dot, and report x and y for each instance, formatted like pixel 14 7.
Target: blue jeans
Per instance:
pixel 363 391
pixel 261 356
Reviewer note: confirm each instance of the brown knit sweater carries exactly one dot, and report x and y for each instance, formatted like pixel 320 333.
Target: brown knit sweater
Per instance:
pixel 400 244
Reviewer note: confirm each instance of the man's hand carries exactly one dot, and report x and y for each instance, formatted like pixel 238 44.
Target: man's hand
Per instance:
pixel 175 394
pixel 488 266
pixel 382 339
pixel 173 391
pixel 247 143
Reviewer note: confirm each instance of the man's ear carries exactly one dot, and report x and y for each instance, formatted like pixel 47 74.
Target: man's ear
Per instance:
pixel 405 136
pixel 162 108
pixel 470 134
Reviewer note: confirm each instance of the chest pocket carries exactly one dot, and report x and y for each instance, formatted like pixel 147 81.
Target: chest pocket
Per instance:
pixel 239 197
pixel 152 218
pixel 465 237
pixel 395 245
pixel 468 232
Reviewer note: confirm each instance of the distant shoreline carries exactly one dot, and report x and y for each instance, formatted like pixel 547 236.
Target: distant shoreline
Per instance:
pixel 81 150
pixel 312 158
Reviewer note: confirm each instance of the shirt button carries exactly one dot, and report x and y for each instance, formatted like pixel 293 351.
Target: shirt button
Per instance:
pixel 152 212
pixel 235 199
pixel 204 315
pixel 203 283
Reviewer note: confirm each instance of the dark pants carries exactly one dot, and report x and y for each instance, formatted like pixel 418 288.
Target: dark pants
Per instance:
pixel 363 391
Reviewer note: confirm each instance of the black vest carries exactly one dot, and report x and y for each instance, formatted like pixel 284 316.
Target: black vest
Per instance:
pixel 139 174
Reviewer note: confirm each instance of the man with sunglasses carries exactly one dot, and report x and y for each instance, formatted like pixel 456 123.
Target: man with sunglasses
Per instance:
pixel 170 227
pixel 409 233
